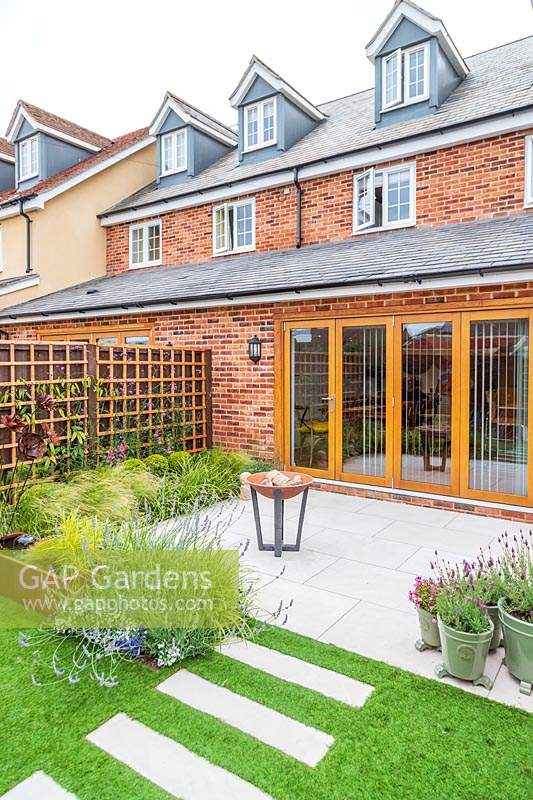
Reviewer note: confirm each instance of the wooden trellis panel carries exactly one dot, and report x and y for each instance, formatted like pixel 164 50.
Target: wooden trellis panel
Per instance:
pixel 130 395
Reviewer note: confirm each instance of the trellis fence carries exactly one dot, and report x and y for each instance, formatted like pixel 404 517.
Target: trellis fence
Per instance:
pixel 108 402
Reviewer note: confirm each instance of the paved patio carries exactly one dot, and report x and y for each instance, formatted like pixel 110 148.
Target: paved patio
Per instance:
pixel 349 583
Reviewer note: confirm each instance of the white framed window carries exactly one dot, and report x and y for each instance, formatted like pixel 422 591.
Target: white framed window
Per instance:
pixel 174 152
pixel 260 124
pixel 28 158
pixel 405 76
pixel 384 198
pixel 528 195
pixel 145 244
pixel 234 227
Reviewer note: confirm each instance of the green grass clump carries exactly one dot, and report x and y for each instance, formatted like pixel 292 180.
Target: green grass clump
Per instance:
pixel 156 464
pixel 414 739
pixel 176 461
pixel 104 494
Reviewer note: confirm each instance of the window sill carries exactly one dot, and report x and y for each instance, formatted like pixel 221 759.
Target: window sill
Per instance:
pixel 172 172
pixel 404 104
pixel 147 264
pixel 383 228
pixel 235 252
pixel 255 147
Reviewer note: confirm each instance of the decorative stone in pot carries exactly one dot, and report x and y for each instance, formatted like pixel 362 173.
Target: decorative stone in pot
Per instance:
pixel 464 654
pixel 16 541
pixel 429 631
pixel 518 642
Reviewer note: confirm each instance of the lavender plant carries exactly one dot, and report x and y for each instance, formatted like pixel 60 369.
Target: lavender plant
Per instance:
pixel 461 611
pixel 516 564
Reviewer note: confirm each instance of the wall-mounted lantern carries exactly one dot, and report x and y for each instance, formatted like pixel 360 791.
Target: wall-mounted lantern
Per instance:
pixel 254 349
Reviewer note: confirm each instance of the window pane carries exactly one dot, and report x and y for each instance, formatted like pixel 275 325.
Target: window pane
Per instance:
pixel 220 229
pixel 180 150
pixel 154 248
pixel 268 121
pixel 244 225
pixel 252 129
pixel 391 79
pixel 168 155
pixel 416 71
pixel 398 195
pixel 364 201
pixel 309 392
pixel 499 406
pixel 427 402
pixel 34 144
pixel 139 340
pixel 107 340
pixel 364 400
pixel 137 246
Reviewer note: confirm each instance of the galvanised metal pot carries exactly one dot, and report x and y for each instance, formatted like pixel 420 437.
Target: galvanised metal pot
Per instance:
pixel 518 643
pixel 429 631
pixel 465 654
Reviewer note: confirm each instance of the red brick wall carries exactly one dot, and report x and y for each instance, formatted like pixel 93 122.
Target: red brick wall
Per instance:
pixel 456 184
pixel 243 393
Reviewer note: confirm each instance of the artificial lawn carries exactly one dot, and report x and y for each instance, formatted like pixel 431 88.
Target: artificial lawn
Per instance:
pixel 414 738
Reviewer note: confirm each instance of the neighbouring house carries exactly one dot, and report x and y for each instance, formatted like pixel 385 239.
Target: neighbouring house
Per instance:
pixel 362 270
pixel 54 178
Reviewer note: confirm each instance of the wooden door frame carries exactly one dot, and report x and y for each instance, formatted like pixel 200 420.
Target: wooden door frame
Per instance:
pixel 386 321
pixel 332 411
pixel 465 490
pixel 422 486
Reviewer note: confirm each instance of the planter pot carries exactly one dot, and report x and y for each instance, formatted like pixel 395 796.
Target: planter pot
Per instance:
pixel 496 640
pixel 429 631
pixel 464 654
pixel 518 642
pixel 16 541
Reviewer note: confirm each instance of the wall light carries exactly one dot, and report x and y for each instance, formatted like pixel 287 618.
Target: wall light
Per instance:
pixel 254 349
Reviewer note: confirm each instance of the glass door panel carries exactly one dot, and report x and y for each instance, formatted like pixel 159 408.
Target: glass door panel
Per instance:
pixel 364 361
pixel 424 397
pixel 310 391
pixel 498 406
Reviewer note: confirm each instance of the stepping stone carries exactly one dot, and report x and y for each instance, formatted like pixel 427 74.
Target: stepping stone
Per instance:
pixel 288 735
pixel 38 787
pixel 294 670
pixel 168 764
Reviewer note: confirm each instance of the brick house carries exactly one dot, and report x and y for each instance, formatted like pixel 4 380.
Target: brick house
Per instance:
pixel 379 247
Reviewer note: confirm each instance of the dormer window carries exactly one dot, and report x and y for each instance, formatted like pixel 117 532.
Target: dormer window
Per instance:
pixel 260 124
pixel 173 152
pixel 28 158
pixel 406 76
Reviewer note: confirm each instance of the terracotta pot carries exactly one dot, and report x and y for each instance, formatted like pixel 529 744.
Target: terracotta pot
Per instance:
pixel 287 492
pixel 518 639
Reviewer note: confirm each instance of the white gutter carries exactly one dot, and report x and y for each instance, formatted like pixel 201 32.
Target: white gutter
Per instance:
pixel 437 140
pixel 373 287
pixel 37 203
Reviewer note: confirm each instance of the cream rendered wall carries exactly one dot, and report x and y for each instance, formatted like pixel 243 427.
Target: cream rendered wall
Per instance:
pixel 68 242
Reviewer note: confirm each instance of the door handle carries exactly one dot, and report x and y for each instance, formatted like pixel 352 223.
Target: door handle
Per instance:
pixel 331 401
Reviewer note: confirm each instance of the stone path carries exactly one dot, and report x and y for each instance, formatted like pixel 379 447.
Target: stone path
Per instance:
pixel 38 787
pixel 306 744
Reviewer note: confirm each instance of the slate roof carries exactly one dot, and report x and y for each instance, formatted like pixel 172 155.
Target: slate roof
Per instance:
pixel 6 148
pixel 111 149
pixel 412 254
pixel 500 79
pixel 204 118
pixel 60 124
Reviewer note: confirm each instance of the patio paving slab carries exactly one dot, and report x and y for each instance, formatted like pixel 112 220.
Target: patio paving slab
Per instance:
pixel 435 537
pixel 407 512
pixel 300 741
pixel 385 587
pixel 369 551
pixel 168 764
pixel 294 670
pixel 38 786
pixel 474 523
pixel 420 562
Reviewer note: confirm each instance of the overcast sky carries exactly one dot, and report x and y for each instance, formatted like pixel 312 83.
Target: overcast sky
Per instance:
pixel 107 63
